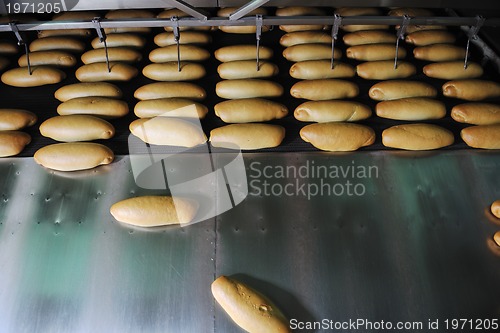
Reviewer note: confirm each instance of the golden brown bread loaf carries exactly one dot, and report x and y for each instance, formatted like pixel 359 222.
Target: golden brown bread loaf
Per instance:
pixel 98 71
pixel 324 89
pixel 300 11
pixel 363 27
pixel 395 89
pixel 168 131
pixel 247 136
pixel 87 89
pixel 471 90
pixel 439 52
pixel 114 54
pixel 187 53
pixel 170 107
pixel 332 110
pixel 55 58
pixel 417 137
pixel 495 210
pixel 16 119
pixel 428 37
pixel 358 11
pixel 302 27
pixel 40 76
pixel 249 309
pixel 79 33
pixel 246 69
pixel 57 43
pixel 13 142
pixel 103 107
pixel 248 88
pixel 304 52
pixel 453 70
pixel 188 37
pixel 410 109
pixel 169 90
pixel 76 128
pixel 321 69
pixel 73 156
pixel 305 37
pixel 335 136
pixel 476 113
pixel 374 52
pixel 384 70
pixel 412 12
pixel 482 136
pixel 7 47
pixel 248 110
pixel 413 28
pixel 369 37
pixel 154 211
pixel 120 40
pixel 168 71
pixel 249 29
pixel 242 52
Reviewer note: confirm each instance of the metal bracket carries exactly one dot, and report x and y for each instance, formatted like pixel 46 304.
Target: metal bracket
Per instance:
pixel 245 9
pixel 258 34
pixel 188 9
pixel 337 22
pixel 177 38
pixel 21 42
pixel 472 34
pixel 401 36
pixel 96 21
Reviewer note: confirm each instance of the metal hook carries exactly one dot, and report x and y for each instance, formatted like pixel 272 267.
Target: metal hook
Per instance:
pixel 102 38
pixel 401 36
pixel 258 34
pixel 21 42
pixel 337 22
pixel 472 34
pixel 177 37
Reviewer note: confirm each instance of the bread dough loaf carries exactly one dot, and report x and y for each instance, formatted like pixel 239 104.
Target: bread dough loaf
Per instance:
pixel 482 136
pixel 79 33
pixel 103 107
pixel 187 53
pixel 168 71
pixel 248 110
pixel 335 136
pixel 412 12
pixel 98 71
pixel 16 119
pixel 120 40
pixel 471 90
pixel 40 76
pixel 428 37
pixel 96 89
pixel 321 69
pixel 76 127
pixel 248 88
pixel 247 136
pixel 333 110
pixel 242 52
pixel 304 52
pixel 324 89
pixel 170 107
pixel 302 27
pixel 411 109
pixel 384 70
pixel 476 113
pixel 249 29
pixel 55 58
pixel 439 52
pixel 453 70
pixel 7 47
pixel 374 52
pixel 57 43
pixel 246 69
pixel 395 89
pixel 138 30
pixel 417 137
pixel 123 54
pixel 188 37
pixel 169 90
pixel 369 37
pixel 495 210
pixel 13 142
pixel 305 37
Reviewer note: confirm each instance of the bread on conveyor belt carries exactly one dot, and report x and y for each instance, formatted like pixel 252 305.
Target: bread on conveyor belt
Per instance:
pixel 300 11
pixel 187 53
pixel 73 156
pixel 247 136
pixel 384 70
pixel 65 32
pixel 374 52
pixel 168 131
pixel 98 71
pixel 55 58
pixel 482 136
pixel 413 28
pixel 13 142
pixel 417 137
pixel 410 109
pixel 248 110
pixel 301 27
pixel 168 71
pixel 86 89
pixel 242 52
pixel 188 37
pixel 76 127
pixel 303 52
pixel 16 119
pixel 369 37
pixel 57 43
pixel 413 12
pixel 321 69
pixel 305 37
pixel 338 136
pixel 471 90
pixel 138 30
pixel 246 69
pixel 363 27
pixel 453 70
pixel 249 29
pixel 428 37
pixel 358 11
pixel 324 89
pixel 395 89
pixel 154 211
pixel 4 62
pixel 439 52
pixel 249 309
pixel 495 209
pixel 170 107
pixel 123 54
pixel 248 88
pixel 170 89
pixel 7 47
pixel 103 107
pixel 40 76
pixel 120 40
pixel 476 113
pixel 334 110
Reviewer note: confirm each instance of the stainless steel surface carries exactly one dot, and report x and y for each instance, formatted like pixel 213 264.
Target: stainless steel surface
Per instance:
pixel 247 8
pixel 373 3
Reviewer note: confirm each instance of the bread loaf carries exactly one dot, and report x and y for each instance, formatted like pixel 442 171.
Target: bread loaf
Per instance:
pixel 428 37
pixel 120 40
pixel 154 211
pixel 188 37
pixel 248 110
pixel 98 71
pixel 374 52
pixel 248 308
pixel 247 136
pixel 96 89
pixel 395 89
pixel 57 43
pixel 242 52
pixel 324 89
pixel 121 30
pixel 73 156
pixel 170 107
pixel 364 27
pixel 15 119
pixel 76 128
pixel 248 88
pixel 333 110
pixel 170 89
pixel 412 12
pixel 358 11
pixel 320 69
pixel 246 69
pixel 495 209
pixel 417 137
pixel 439 52
pixel 302 27
pixel 13 142
pixel 123 54
pixel 168 71
pixel 55 58
pixel 305 37
pixel 304 52
pixel 7 47
pixel 476 113
pixel 411 109
pixel 248 29
pixel 453 70
pixel 187 53
pixel 40 76
pixel 103 107
pixel 384 70
pixel 300 11
pixel 369 37
pixel 79 33
pixel 471 90
pixel 334 136
pixel 483 136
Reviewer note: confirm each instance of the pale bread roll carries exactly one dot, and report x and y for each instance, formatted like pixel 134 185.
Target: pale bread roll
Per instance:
pixel 242 52
pixel 13 142
pixel 364 27
pixel 57 43
pixel 4 62
pixel 40 76
pixel 246 69
pixel 304 52
pixel 417 137
pixel 168 131
pixel 95 106
pixel 188 37
pixel 138 30
pixel 247 136
pixel 65 32
pixel 324 89
pixel 76 128
pixel 170 107
pixel 395 89
pixel 428 37
pixel 120 40
pixel 453 70
pixel 328 111
pixel 384 70
pixel 300 11
pixel 374 52
pixel 7 47
pixel 16 119
pixel 248 308
pixel 123 54
pixel 247 88
pixel 495 210
pixel 129 13
pixel 482 136
pixel 413 12
pixel 320 69
pixel 471 90
pixel 413 28
pixel 249 110
pixel 55 58
pixel 439 52
pixel 73 156
pixel 154 211
pixel 496 238
pixel 476 113
pixel 225 12
pixel 75 16
pixel 87 89
pixel 98 71
pixel 168 71
pixel 369 37
pixel 334 136
pixel 187 53
pixel 410 109
pixel 249 29
pixel 305 37
pixel 358 11
pixel 301 27
pixel 170 89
